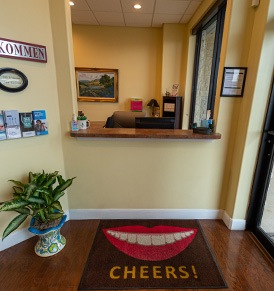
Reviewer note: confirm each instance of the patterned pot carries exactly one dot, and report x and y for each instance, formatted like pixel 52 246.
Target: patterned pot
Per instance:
pixel 50 240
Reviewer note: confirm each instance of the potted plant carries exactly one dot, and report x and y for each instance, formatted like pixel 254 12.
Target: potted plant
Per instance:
pixel 39 198
pixel 83 123
pixel 81 116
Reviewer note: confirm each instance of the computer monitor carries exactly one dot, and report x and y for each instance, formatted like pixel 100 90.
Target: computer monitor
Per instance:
pixel 155 122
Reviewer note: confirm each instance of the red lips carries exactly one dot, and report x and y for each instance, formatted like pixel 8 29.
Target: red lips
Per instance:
pixel 150 244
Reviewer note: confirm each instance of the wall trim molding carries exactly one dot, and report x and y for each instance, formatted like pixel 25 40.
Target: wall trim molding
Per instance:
pixel 233 224
pixel 15 238
pixel 82 214
pixel 77 214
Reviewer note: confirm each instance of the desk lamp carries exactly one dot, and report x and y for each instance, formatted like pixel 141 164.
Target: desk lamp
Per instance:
pixel 153 103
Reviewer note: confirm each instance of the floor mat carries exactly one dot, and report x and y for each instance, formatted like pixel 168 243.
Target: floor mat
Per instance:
pixel 143 254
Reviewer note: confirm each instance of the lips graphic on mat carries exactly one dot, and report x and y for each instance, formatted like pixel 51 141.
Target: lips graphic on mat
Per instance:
pixel 150 244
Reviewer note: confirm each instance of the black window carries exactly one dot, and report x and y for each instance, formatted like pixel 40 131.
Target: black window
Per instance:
pixel 207 55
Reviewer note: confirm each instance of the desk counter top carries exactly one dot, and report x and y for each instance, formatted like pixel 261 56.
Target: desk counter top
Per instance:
pixel 96 130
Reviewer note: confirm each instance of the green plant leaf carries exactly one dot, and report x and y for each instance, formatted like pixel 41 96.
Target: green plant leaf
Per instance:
pixel 38 200
pixel 12 205
pixel 47 198
pixel 60 179
pixel 41 179
pixel 14 224
pixel 31 177
pixel 31 187
pixel 53 216
pixel 22 210
pixel 18 190
pixel 44 190
pixel 17 183
pixel 51 179
pixel 35 193
pixel 56 205
pixel 36 211
pixel 41 214
pixel 62 187
pixel 58 195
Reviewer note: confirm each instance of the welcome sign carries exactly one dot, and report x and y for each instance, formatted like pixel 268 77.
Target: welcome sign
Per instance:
pixel 22 50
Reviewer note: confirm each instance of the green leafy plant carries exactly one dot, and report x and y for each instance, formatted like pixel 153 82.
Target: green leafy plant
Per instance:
pixel 81 116
pixel 39 198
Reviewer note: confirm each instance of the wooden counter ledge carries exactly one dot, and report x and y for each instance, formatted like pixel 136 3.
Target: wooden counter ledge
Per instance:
pixel 97 130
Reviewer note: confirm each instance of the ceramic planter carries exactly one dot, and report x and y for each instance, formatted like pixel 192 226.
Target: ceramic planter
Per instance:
pixel 50 240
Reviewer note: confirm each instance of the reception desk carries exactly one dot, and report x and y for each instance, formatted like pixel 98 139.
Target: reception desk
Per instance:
pixel 97 131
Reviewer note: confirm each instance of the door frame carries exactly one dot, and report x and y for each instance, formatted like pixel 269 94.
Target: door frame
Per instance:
pixel 262 178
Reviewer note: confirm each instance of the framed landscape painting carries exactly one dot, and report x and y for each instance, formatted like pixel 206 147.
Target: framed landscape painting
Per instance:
pixel 97 85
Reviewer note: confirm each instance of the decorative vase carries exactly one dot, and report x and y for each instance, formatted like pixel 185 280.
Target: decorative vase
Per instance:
pixel 50 240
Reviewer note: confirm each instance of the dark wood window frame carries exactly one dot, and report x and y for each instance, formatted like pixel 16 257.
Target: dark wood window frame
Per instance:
pixel 216 13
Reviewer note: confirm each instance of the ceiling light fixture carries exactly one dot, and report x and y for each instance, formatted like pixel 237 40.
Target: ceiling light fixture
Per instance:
pixel 71 3
pixel 137 6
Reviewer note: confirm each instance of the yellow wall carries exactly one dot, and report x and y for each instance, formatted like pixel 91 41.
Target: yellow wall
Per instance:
pixel 174 57
pixel 141 174
pixel 29 21
pixel 150 61
pixel 219 167
pixel 235 51
pixel 135 52
pixel 242 41
pixel 253 109
pixel 245 37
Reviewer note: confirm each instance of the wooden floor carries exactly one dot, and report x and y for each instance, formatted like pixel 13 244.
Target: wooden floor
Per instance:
pixel 243 264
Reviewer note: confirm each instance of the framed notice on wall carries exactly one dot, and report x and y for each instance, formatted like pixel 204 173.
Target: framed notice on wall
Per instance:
pixel 233 81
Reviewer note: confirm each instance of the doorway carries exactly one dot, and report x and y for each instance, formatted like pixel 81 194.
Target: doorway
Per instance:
pixel 260 218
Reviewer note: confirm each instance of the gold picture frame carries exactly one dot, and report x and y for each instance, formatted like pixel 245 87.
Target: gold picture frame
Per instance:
pixel 97 85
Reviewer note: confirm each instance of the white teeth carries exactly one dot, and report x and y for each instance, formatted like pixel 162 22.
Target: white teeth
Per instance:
pixel 169 238
pixel 123 236
pixel 113 233
pixel 189 233
pixel 148 239
pixel 183 234
pixel 144 240
pixel 158 240
pixel 177 236
pixel 132 238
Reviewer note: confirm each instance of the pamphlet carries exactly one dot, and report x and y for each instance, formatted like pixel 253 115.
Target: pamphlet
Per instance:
pixel 40 122
pixel 2 127
pixel 26 124
pixel 11 118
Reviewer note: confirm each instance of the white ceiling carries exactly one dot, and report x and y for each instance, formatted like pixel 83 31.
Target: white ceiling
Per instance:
pixel 121 12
